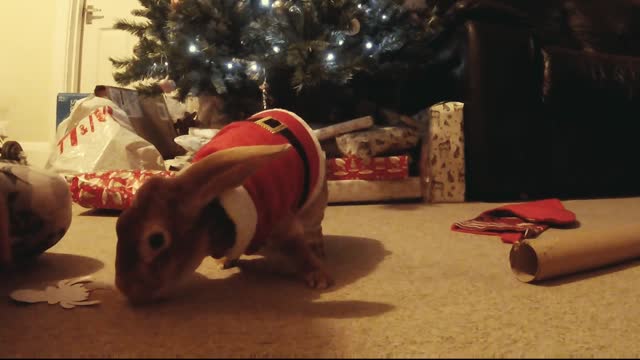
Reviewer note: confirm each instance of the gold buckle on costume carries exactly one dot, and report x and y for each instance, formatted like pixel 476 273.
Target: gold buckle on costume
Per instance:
pixel 271 124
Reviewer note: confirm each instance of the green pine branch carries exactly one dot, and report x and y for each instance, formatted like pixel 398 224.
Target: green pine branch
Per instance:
pixel 229 47
pixel 136 28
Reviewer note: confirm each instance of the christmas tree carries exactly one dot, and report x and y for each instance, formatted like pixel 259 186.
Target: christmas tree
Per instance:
pixel 261 53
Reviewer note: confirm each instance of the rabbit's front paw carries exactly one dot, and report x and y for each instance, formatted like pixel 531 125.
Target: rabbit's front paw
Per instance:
pixel 318 279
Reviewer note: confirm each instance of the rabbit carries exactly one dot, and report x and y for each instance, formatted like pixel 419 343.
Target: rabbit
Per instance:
pixel 174 223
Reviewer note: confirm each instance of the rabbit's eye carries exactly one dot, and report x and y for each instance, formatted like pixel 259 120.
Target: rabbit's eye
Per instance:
pixel 156 241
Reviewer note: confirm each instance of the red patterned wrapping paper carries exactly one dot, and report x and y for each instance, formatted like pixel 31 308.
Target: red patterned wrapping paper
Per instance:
pixel 376 168
pixel 110 189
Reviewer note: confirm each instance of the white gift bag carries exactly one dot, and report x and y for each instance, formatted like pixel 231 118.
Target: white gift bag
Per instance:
pixel 98 136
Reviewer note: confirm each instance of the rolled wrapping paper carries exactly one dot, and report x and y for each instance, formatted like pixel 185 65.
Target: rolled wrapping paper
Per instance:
pixel 552 256
pixel 334 130
pixel 378 141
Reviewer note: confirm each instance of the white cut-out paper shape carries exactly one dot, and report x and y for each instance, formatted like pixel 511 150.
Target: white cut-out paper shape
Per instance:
pixel 69 293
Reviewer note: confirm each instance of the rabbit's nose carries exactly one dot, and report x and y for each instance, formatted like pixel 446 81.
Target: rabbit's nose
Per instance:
pixel 135 294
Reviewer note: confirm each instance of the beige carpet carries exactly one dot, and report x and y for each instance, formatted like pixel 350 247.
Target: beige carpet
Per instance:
pixel 407 286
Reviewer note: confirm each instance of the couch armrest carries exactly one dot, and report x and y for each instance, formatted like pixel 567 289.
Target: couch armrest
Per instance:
pixel 524 140
pixel 592 100
pixel 488 10
pixel 497 67
pixel 570 74
pixel 502 82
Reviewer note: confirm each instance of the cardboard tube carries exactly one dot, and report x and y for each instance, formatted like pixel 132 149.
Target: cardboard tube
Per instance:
pixel 570 252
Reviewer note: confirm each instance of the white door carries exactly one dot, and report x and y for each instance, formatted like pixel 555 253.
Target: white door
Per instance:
pixel 100 40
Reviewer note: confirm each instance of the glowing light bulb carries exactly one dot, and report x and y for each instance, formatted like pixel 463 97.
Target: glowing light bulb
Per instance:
pixel 166 64
pixel 229 66
pixel 369 45
pixel 254 67
pixel 330 57
pixel 384 17
pixel 359 6
pixel 276 49
pixel 340 42
pixel 264 3
pixel 192 48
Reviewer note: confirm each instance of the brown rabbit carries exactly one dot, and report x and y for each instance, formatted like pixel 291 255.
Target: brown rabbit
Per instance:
pixel 233 200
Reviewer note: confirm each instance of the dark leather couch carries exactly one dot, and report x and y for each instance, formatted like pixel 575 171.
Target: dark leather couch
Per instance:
pixel 552 96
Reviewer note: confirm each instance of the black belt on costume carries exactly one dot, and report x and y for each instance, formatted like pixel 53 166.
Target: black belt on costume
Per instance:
pixel 276 127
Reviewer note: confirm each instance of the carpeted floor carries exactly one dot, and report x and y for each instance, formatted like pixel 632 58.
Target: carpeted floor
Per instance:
pixel 406 286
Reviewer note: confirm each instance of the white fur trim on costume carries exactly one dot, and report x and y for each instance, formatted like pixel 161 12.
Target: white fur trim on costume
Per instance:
pixel 321 155
pixel 242 211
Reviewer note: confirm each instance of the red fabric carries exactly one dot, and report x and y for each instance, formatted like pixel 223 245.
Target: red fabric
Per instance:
pixel 517 221
pixel 276 188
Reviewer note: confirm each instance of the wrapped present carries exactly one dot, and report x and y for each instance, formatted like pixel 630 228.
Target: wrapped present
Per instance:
pixel 370 143
pixel 113 190
pixel 442 154
pixel 357 191
pixel 37 209
pixel 377 168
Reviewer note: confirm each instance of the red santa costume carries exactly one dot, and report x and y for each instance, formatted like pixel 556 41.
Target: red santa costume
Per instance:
pixel 285 185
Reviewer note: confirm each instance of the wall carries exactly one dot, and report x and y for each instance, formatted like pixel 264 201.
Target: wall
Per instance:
pixel 31 71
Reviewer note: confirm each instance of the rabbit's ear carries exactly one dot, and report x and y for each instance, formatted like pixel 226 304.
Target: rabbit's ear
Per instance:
pixel 225 170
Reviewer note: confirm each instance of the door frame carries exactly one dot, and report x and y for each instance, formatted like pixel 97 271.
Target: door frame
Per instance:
pixel 68 33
